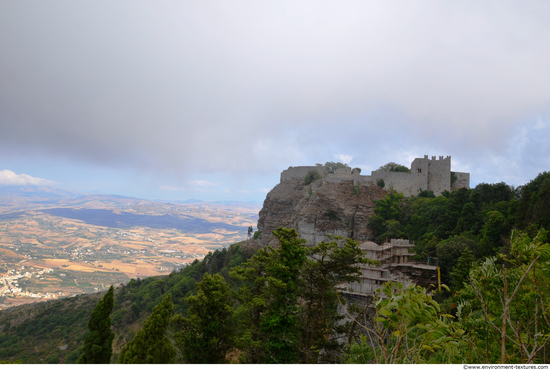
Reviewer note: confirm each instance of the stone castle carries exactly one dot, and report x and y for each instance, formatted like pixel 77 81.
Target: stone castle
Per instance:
pixel 425 174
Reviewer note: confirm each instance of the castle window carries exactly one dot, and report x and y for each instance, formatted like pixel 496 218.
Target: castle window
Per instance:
pixel 419 170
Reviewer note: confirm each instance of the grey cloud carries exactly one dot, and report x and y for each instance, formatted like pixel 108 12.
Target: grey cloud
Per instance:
pixel 244 85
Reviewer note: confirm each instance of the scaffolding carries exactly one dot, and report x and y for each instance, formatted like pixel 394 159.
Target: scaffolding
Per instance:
pixel 396 264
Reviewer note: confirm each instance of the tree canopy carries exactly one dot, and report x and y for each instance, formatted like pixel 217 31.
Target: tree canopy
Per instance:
pixel 151 345
pixel 393 167
pixel 331 167
pixel 98 343
pixel 207 333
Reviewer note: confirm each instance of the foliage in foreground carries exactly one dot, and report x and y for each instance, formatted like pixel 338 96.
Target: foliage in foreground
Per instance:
pixel 408 328
pixel 502 316
pixel 288 302
pixel 504 307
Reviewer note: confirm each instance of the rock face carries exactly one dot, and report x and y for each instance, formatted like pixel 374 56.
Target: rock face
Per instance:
pixel 318 209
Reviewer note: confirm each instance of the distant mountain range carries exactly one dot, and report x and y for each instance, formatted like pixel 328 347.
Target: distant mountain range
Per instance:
pixel 37 192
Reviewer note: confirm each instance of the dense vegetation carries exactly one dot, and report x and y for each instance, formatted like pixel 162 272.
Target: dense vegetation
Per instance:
pixel 501 317
pixel 281 305
pixel 490 243
pixel 468 223
pixel 98 345
pixel 54 331
pixel 50 332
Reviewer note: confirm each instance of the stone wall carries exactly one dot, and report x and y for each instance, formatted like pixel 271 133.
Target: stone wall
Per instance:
pixel 402 182
pixel 462 180
pixel 300 172
pixel 426 174
pixel 342 176
pixel 439 175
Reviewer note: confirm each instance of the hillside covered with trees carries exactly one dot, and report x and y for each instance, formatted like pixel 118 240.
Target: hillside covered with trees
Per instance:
pixel 280 305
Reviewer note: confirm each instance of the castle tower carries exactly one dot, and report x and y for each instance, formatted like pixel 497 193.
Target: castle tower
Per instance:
pixel 420 168
pixel 439 177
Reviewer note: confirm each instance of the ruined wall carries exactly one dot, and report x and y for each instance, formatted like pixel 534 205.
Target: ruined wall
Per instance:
pixel 462 180
pixel 300 172
pixel 342 174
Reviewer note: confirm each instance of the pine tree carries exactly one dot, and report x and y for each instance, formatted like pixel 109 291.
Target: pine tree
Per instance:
pixel 208 331
pixel 98 344
pixel 254 301
pixel 270 327
pixel 151 345
pixel 280 323
pixel 329 264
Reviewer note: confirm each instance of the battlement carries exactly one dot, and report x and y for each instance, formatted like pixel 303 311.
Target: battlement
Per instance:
pixel 426 174
pixel 441 158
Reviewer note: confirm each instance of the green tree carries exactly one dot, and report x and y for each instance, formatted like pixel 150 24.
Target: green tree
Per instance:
pixel 207 333
pixel 469 220
pixel 331 167
pixel 393 167
pixel 270 328
pixel 408 328
pixel 493 232
pixel 98 343
pixel 460 272
pixel 280 321
pixel 390 207
pixel 505 307
pixel 312 176
pixel 329 264
pixel 254 299
pixel 449 252
pixel 393 230
pixel 150 345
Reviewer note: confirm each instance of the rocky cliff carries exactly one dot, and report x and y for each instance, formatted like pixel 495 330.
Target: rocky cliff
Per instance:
pixel 318 209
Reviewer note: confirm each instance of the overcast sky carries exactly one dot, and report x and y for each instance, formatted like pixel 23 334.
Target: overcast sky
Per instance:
pixel 213 99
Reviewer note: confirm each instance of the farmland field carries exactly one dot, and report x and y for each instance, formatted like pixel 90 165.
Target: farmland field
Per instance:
pixel 84 244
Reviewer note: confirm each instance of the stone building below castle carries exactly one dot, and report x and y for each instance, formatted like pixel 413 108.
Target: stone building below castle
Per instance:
pixel 425 174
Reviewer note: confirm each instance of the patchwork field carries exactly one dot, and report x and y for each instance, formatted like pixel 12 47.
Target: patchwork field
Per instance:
pixel 68 248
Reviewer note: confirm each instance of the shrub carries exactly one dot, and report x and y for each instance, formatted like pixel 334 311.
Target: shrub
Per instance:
pixel 381 183
pixel 312 176
pixel 393 167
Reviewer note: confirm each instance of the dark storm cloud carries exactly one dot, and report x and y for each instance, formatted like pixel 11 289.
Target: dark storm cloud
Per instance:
pixel 233 85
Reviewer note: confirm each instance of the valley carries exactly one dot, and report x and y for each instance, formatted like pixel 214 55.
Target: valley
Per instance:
pixel 51 248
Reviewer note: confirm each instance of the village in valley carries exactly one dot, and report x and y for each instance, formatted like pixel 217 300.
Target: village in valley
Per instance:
pixel 44 257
